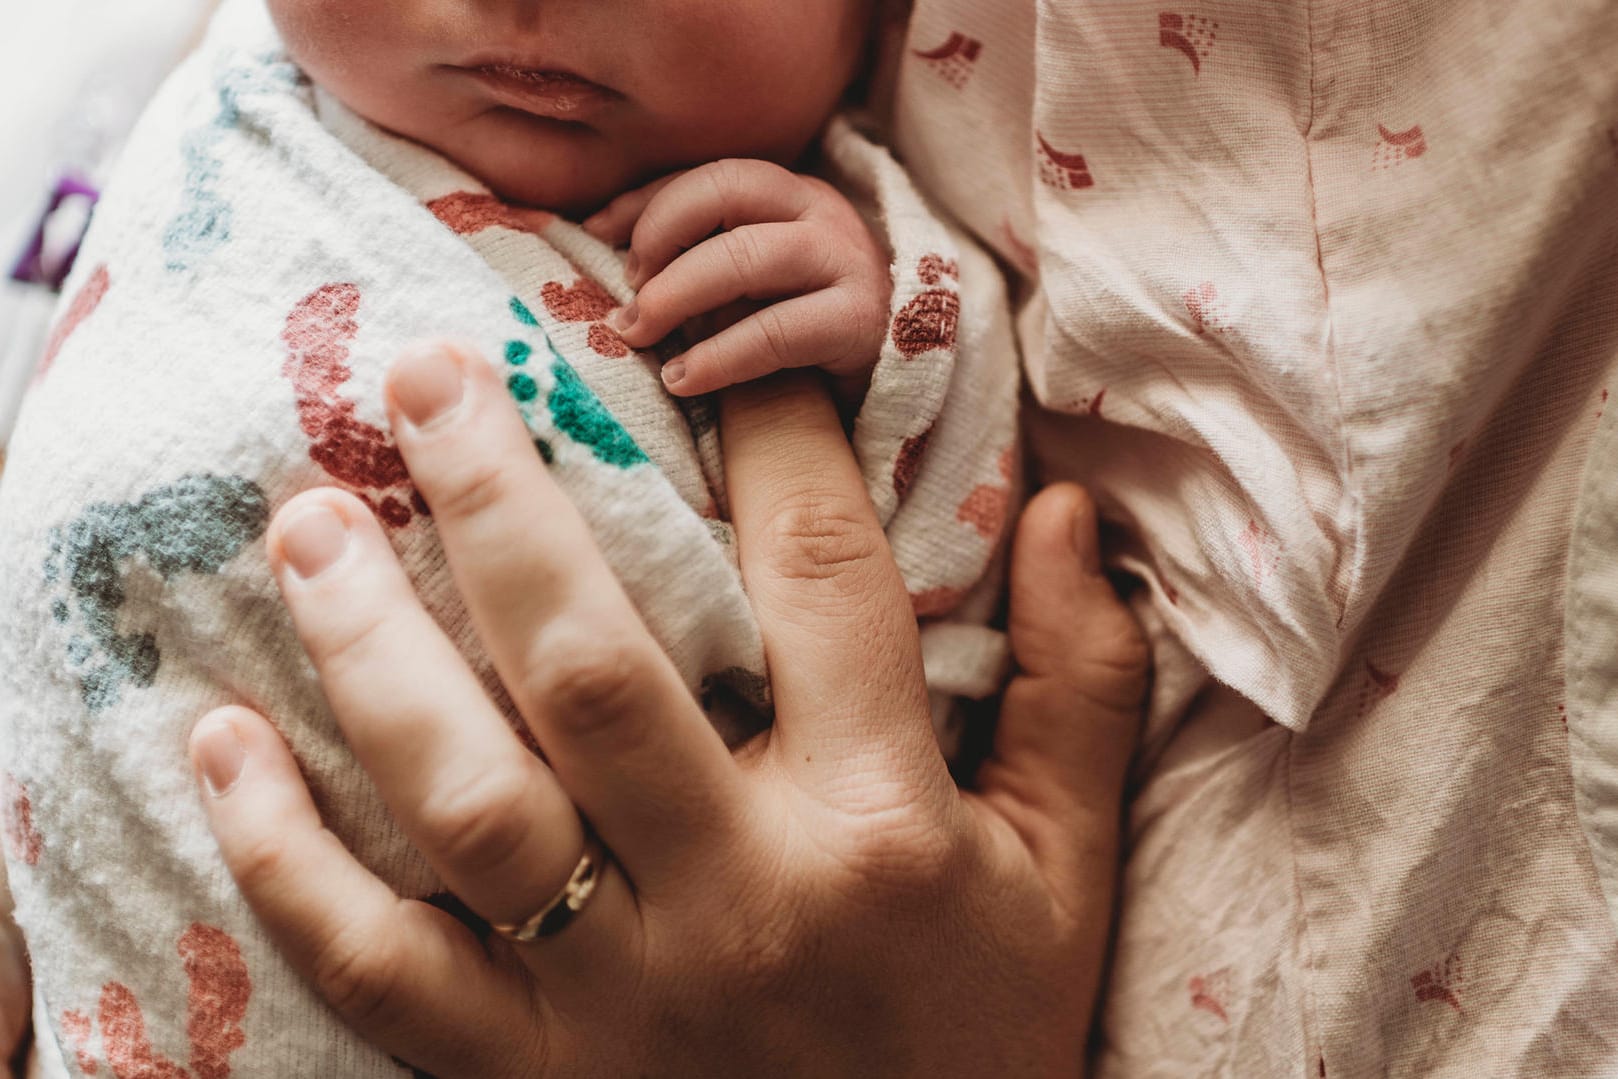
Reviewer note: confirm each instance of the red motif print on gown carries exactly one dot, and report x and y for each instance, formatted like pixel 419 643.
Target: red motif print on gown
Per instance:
pixel 1441 982
pixel 1211 993
pixel 1263 552
pixel 1397 147
pixel 1193 35
pixel 1061 170
pixel 1207 310
pixel 953 61
pixel 359 454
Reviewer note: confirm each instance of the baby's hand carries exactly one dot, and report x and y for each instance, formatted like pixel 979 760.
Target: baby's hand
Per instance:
pixel 704 240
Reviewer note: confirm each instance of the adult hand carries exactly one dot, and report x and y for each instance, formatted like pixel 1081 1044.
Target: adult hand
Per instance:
pixel 16 987
pixel 825 902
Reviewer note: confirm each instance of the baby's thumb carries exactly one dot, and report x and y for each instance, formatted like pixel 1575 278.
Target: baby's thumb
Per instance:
pixel 1071 716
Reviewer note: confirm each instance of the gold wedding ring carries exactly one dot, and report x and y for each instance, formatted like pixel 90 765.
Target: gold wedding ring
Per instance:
pixel 555 916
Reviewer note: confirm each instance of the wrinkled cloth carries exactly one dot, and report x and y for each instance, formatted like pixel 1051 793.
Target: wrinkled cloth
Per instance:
pixel 259 258
pixel 1325 312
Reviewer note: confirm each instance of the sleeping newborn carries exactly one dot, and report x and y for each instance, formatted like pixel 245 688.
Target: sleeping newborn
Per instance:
pixel 323 184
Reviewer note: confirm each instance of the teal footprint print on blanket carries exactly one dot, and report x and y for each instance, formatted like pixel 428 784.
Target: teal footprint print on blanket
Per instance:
pixel 195 525
pixel 574 408
pixel 203 224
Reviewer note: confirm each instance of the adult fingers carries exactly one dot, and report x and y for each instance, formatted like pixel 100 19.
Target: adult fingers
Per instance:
pixel 754 262
pixel 488 815
pixel 837 623
pixel 1070 718
pixel 16 990
pixel 406 976
pixel 724 195
pixel 619 728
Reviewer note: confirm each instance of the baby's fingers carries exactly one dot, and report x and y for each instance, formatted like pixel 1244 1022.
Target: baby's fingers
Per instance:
pixel 717 197
pixel 807 331
pixel 614 223
pixel 406 976
pixel 755 262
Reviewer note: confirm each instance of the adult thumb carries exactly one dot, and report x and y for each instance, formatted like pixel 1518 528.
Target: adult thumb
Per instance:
pixel 1071 716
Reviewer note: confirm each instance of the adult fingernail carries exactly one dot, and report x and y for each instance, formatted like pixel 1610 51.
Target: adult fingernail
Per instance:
pixel 673 373
pixel 622 320
pixel 632 267
pixel 313 540
pixel 219 754
pixel 426 384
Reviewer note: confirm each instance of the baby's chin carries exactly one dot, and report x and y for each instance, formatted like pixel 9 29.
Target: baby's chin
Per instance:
pixel 571 173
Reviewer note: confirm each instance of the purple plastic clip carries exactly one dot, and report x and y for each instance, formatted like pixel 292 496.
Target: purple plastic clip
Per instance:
pixel 34 268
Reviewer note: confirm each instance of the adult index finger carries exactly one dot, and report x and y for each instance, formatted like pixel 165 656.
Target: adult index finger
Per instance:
pixel 839 631
pixel 406 976
pixel 620 730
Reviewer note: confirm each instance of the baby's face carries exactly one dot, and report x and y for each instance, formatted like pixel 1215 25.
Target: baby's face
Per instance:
pixel 566 103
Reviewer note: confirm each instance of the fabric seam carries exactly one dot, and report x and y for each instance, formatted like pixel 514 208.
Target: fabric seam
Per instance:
pixel 1311 1005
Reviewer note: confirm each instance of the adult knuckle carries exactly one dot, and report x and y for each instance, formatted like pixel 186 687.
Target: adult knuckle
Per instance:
pixel 360 976
pixel 263 863
pixel 903 853
pixel 819 537
pixel 478 826
pixel 586 679
pixel 763 951
pixel 347 647
pixel 473 491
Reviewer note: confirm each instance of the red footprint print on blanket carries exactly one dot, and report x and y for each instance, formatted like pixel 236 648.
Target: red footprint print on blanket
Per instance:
pixel 359 454
pixel 931 320
pixel 954 59
pixel 468 213
pixel 985 508
pixel 586 301
pixel 1397 147
pixel 1063 171
pixel 215 1008
pixel 84 304
pixel 23 842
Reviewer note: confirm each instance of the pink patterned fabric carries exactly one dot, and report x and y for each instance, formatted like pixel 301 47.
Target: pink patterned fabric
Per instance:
pixel 1327 316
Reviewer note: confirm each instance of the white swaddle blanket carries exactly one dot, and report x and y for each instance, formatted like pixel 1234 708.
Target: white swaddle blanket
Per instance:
pixel 259 259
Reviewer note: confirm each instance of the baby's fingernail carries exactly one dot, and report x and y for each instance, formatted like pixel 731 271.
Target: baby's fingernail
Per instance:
pixel 219 754
pixel 625 318
pixel 592 225
pixel 313 540
pixel 426 384
pixel 632 267
pixel 673 373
